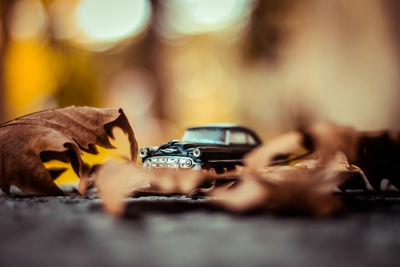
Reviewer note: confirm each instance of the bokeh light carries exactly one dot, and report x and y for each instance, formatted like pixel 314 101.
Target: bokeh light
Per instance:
pixel 193 17
pixel 113 20
pixel 32 70
pixel 28 20
pixel 64 18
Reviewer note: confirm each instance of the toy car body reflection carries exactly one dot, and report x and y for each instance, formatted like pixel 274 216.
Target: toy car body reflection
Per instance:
pixel 217 147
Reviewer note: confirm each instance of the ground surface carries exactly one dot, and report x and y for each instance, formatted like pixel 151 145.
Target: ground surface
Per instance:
pixel 74 231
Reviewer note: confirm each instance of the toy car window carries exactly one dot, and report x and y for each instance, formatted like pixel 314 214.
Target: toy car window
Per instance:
pixel 237 137
pixel 204 136
pixel 250 140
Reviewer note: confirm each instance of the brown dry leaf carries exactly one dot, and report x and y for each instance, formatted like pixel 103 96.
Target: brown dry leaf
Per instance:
pixel 167 181
pixel 58 134
pixel 304 188
pixel 283 146
pixel 321 140
pixel 327 138
pixel 188 182
pixel 248 194
pixel 115 181
pixel 377 154
pixel 307 187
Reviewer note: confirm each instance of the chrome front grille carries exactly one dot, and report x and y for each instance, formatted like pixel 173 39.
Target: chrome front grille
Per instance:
pixel 173 162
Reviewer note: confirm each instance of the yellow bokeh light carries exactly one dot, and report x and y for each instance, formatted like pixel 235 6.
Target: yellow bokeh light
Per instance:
pixel 113 20
pixel 32 70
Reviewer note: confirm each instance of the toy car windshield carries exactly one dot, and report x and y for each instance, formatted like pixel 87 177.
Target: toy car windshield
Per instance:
pixel 210 136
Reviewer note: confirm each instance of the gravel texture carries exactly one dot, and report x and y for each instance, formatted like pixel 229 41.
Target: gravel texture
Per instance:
pixel 176 231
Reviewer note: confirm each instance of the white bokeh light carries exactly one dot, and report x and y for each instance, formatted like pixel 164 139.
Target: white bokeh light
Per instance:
pixel 193 16
pixel 113 20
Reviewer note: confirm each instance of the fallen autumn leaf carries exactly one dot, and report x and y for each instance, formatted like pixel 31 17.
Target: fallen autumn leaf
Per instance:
pixel 58 134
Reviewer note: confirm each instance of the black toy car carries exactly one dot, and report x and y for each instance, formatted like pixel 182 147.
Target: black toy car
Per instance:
pixel 217 147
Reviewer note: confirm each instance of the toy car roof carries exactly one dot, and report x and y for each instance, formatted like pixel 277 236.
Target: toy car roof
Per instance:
pixel 219 125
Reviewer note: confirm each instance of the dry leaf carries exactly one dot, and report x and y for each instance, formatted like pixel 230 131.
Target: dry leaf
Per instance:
pixel 307 187
pixel 115 181
pixel 182 182
pixel 376 154
pixel 327 138
pixel 304 188
pixel 281 147
pixel 248 194
pixel 59 134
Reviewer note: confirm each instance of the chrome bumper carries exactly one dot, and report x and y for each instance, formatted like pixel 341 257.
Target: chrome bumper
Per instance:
pixel 171 162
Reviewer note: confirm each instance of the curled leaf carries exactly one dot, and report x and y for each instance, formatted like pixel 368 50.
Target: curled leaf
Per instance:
pixel 58 134
pixel 305 188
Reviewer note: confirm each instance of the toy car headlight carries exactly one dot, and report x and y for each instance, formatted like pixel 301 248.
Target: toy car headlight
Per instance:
pixel 143 152
pixel 147 163
pixel 185 163
pixel 196 152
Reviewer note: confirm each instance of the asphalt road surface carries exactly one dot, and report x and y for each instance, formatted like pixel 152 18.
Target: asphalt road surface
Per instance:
pixel 176 231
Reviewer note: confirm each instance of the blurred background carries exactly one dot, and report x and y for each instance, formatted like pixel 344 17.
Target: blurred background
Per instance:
pixel 267 64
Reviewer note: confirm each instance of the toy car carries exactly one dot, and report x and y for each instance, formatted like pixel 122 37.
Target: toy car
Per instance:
pixel 216 147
